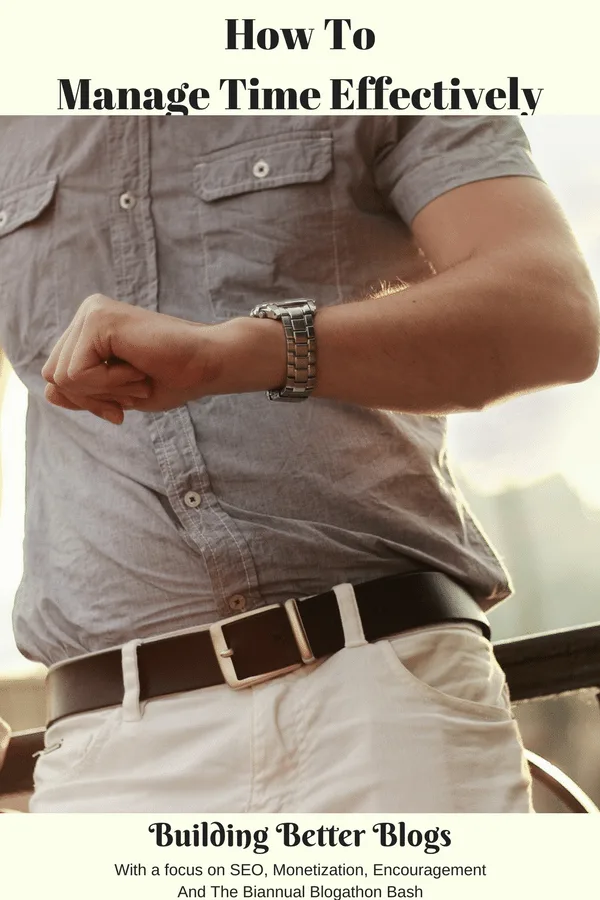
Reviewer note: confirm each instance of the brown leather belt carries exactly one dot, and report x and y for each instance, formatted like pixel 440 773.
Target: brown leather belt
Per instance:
pixel 261 644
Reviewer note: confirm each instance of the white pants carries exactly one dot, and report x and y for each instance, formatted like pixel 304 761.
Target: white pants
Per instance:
pixel 418 723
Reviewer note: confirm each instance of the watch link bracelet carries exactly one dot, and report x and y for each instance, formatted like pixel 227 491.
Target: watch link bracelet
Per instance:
pixel 297 318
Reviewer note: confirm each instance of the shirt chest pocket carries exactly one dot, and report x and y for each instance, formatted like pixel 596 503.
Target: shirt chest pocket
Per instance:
pixel 266 220
pixel 28 313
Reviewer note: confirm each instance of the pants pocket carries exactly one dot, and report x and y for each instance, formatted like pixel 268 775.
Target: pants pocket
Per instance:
pixel 452 665
pixel 72 745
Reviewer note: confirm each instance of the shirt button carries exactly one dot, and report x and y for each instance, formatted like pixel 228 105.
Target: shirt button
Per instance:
pixel 3 218
pixel 192 499
pixel 261 169
pixel 238 602
pixel 126 200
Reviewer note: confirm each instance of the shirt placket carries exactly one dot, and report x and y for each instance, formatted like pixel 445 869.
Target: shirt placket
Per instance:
pixel 205 525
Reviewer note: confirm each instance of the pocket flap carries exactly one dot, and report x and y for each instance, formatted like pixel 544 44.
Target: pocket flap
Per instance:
pixel 258 166
pixel 25 203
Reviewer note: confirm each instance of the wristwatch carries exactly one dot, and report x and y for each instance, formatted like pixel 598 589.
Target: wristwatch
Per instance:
pixel 297 318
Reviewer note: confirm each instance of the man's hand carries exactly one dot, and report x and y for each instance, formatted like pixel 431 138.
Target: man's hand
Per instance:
pixel 114 357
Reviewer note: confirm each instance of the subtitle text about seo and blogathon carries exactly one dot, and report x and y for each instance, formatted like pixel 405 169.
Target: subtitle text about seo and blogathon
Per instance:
pixel 384 860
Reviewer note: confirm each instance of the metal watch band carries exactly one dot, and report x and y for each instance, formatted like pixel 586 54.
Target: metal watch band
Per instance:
pixel 297 318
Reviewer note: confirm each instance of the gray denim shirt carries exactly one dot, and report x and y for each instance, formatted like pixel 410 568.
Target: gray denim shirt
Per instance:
pixel 231 502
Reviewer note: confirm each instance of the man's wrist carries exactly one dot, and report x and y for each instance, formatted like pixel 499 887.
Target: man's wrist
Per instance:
pixel 297 319
pixel 248 355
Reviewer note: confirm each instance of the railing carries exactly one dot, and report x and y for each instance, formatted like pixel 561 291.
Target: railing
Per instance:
pixel 556 662
pixel 546 665
pixel 16 775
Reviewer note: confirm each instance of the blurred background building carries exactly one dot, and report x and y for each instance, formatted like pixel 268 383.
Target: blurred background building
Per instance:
pixel 529 469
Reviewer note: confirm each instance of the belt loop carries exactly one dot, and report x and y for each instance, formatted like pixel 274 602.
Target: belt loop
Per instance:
pixel 351 622
pixel 132 710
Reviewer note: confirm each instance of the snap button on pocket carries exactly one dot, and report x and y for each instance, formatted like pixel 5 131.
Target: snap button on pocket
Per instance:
pixel 126 201
pixel 261 169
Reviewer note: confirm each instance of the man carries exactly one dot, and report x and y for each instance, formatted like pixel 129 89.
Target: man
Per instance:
pixel 426 270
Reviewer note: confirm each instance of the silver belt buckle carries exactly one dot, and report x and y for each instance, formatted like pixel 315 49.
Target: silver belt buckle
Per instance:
pixel 224 653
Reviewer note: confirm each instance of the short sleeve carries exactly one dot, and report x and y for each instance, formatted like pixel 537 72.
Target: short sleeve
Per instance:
pixel 439 153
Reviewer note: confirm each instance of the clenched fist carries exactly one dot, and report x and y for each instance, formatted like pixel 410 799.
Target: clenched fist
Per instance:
pixel 114 357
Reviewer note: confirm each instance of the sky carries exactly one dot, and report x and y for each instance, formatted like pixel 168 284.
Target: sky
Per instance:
pixel 515 444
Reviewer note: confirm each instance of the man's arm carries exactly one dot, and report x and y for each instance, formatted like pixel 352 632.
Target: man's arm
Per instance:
pixel 512 309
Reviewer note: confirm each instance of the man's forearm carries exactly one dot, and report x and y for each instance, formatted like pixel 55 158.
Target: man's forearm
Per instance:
pixel 486 330
pixel 512 309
